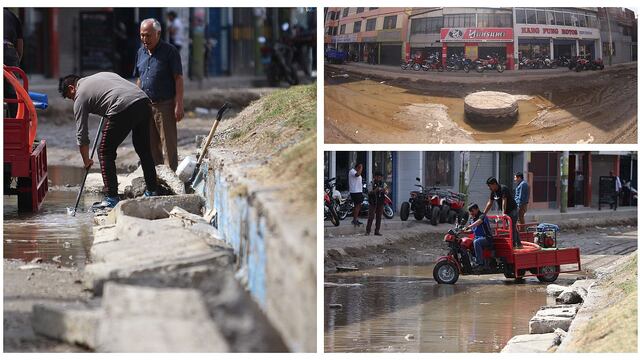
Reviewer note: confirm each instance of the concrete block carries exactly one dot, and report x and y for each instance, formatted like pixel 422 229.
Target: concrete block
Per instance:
pixel 147 319
pixel 555 290
pixel 71 323
pixel 170 179
pixel 571 296
pixel 103 234
pixel 158 207
pixel 530 343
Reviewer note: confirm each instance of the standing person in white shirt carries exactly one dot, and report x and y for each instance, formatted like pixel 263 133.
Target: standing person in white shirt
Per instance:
pixel 176 30
pixel 355 188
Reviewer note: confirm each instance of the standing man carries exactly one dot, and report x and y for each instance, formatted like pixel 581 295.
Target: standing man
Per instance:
pixel 618 188
pixel 522 196
pixel 503 197
pixel 126 109
pixel 13 49
pixel 376 203
pixel 355 189
pixel 176 37
pixel 159 72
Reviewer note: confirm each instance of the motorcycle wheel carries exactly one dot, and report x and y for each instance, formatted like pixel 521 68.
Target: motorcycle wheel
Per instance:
pixel 500 68
pixel 578 68
pixel 403 66
pixel 549 274
pixel 333 216
pixel 435 215
pixel 479 69
pixel 388 212
pixel 446 273
pixel 416 67
pixel 342 214
pixel 440 69
pixel 404 211
pixel 466 68
pixel 418 214
pixel 444 213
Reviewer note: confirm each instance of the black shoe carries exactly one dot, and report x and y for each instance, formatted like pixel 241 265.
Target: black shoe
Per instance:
pixel 367 233
pixel 377 234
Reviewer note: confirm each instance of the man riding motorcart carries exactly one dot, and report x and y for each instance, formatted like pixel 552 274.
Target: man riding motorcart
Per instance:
pixel 482 237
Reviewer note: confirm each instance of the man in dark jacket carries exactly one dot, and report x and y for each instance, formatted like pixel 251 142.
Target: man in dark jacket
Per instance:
pixel 376 203
pixel 501 194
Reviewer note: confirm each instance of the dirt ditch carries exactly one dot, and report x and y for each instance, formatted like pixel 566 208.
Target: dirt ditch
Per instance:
pixel 383 107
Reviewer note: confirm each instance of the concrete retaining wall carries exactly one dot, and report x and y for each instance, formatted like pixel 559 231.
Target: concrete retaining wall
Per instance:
pixel 275 257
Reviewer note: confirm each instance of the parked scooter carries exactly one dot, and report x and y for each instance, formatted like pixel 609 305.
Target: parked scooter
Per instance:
pixel 458 62
pixel 277 61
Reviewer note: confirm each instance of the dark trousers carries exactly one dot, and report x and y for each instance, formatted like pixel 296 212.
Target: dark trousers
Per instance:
pixel 135 119
pixel 375 209
pixel 515 235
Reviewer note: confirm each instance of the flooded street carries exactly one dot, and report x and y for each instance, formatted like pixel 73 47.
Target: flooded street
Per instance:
pixel 384 305
pixel 379 106
pixel 51 234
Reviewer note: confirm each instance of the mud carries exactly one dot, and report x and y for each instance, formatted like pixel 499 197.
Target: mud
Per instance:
pixel 51 234
pixel 402 309
pixel 377 106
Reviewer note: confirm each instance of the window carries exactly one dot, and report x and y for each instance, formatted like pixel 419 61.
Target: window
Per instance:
pixel 439 168
pixel 558 17
pixel 605 49
pixel 430 25
pixel 494 20
pixel 542 18
pixel 521 18
pixel 345 12
pixel 582 20
pixel 343 28
pixel 551 18
pixel 390 22
pixel 592 21
pixel 356 26
pixel 371 24
pixel 570 19
pixel 465 20
pixel 372 9
pixel 531 16
pixel 359 10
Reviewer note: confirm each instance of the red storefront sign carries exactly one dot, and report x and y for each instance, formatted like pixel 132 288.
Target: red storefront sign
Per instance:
pixel 476 34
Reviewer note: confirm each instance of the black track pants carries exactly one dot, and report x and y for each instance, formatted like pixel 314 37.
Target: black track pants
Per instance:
pixel 135 119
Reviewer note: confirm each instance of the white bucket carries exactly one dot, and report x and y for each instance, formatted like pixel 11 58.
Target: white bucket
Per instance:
pixel 186 168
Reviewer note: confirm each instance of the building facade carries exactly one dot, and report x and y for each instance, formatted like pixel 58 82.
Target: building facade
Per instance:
pixel 467 172
pixel 219 41
pixel 373 35
pixel 509 33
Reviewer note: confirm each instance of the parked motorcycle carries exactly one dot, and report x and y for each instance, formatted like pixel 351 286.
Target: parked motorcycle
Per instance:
pixel 411 64
pixel 346 206
pixel 277 61
pixel 331 202
pixel 458 62
pixel 489 63
pixel 433 62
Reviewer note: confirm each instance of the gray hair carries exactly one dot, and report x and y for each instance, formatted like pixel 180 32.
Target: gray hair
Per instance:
pixel 156 24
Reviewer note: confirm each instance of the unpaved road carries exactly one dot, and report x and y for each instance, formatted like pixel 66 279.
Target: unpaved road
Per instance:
pixel 36 284
pixel 369 105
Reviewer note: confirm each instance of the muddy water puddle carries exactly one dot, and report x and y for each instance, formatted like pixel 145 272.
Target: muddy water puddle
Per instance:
pixel 372 110
pixel 51 234
pixel 384 306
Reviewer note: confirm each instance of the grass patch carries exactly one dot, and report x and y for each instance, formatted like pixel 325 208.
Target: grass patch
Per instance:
pixel 295 105
pixel 615 328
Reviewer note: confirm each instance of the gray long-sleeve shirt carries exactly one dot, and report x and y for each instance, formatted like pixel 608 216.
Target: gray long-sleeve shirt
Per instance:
pixel 105 94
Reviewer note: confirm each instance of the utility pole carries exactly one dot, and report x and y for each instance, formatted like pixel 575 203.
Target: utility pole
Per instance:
pixel 610 37
pixel 564 181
